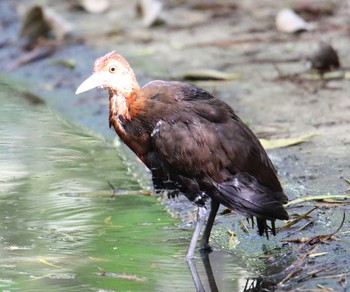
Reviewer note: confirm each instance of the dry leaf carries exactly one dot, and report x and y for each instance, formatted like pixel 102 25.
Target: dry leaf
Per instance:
pixel 39 21
pixel 208 74
pixel 279 143
pixel 232 240
pixel 299 218
pixel 290 22
pixel 297 240
pixel 321 238
pixel 45 262
pixel 130 277
pixel 94 6
pixel 243 226
pixel 108 220
pixel 150 11
pixel 34 55
pixel 313 255
pixel 317 198
pixel 324 288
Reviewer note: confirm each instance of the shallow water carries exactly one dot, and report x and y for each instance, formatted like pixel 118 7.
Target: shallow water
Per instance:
pixel 63 229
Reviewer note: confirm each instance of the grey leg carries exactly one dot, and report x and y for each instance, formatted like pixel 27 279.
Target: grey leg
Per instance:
pixel 201 214
pixel 206 234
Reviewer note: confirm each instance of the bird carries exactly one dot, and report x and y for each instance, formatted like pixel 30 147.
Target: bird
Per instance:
pixel 193 144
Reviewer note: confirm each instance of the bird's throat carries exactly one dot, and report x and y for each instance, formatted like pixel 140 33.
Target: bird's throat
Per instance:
pixel 118 107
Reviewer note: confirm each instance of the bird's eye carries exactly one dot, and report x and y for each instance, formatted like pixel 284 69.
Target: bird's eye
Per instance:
pixel 112 69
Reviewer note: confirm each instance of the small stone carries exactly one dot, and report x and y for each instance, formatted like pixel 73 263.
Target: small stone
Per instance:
pixel 325 58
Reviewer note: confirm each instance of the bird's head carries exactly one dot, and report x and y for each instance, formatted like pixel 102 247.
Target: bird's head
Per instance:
pixel 111 72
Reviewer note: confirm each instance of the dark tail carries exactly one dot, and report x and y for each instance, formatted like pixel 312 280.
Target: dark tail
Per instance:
pixel 246 195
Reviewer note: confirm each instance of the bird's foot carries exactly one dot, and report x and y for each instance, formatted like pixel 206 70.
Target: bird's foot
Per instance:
pixel 206 248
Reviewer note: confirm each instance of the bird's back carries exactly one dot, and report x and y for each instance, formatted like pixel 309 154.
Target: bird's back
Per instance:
pixel 198 144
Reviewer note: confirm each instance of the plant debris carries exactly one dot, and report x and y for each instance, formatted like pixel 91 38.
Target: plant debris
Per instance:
pixel 207 74
pixel 317 198
pixel 45 262
pixel 279 143
pixel 321 238
pixel 295 221
pixel 150 11
pixel 36 54
pixel 124 276
pixel 41 23
pixel 288 21
pixel 92 6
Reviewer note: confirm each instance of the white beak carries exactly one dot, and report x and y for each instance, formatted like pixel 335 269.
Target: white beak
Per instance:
pixel 95 80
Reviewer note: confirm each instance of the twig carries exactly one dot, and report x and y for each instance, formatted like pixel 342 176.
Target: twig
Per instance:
pixel 315 198
pixel 293 222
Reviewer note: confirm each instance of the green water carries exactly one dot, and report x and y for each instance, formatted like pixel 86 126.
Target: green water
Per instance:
pixel 61 226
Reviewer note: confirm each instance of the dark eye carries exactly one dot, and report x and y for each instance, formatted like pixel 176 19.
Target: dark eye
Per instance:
pixel 112 69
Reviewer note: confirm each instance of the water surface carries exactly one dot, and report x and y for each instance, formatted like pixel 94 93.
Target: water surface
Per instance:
pixel 62 228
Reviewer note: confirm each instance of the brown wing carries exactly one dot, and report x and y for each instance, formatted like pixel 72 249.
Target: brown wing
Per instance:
pixel 208 139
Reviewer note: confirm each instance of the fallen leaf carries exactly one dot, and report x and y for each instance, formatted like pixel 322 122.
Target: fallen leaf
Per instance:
pixel 289 22
pixel 295 221
pixel 36 54
pixel 338 74
pixel 347 180
pixel 45 262
pixel 41 22
pixel 331 201
pixel 243 226
pixel 296 240
pixel 207 74
pixel 320 238
pixel 324 288
pixel 313 255
pixel 94 6
pixel 130 277
pixel 108 220
pixel 150 11
pixel 317 198
pixel 279 143
pixel 232 240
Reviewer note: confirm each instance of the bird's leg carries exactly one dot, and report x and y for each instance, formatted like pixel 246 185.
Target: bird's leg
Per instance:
pixel 201 214
pixel 206 234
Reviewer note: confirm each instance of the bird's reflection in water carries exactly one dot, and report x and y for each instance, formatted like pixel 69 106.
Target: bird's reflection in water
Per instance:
pixel 207 275
pixel 210 278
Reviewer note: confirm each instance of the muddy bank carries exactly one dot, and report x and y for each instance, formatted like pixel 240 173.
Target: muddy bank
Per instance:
pixel 269 91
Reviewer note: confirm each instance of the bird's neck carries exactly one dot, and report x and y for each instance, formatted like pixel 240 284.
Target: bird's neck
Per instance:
pixel 120 101
pixel 118 107
pixel 122 112
pixel 124 106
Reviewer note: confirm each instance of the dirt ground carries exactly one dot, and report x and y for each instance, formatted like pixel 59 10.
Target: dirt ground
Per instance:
pixel 271 90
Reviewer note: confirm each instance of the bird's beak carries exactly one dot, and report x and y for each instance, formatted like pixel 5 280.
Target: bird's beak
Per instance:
pixel 95 80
